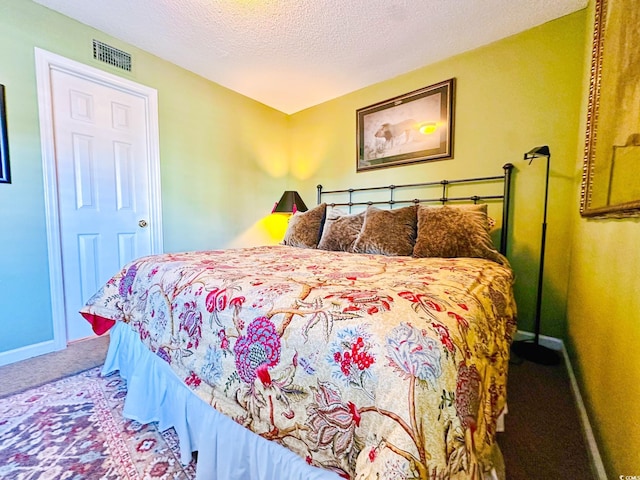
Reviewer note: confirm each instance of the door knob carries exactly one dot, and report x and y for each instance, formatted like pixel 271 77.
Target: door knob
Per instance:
pixel 142 223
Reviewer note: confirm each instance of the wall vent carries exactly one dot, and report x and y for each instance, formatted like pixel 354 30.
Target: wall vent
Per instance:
pixel 111 55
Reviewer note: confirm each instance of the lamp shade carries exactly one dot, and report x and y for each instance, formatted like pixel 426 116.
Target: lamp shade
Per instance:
pixel 542 151
pixel 290 202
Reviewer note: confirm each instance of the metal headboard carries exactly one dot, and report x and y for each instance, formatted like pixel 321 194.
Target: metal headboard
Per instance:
pixel 504 179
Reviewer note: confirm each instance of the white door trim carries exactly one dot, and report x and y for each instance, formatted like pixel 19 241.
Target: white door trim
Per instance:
pixel 45 63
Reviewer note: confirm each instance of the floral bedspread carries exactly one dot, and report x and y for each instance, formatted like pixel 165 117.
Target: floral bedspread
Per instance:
pixel 363 364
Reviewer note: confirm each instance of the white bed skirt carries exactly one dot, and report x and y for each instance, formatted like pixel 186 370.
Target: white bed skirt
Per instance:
pixel 226 450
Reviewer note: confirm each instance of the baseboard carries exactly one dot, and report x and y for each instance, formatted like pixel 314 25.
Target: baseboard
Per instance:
pixel 594 453
pixel 549 342
pixel 22 353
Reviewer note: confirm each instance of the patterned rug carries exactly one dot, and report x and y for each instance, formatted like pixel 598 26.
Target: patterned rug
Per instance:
pixel 74 429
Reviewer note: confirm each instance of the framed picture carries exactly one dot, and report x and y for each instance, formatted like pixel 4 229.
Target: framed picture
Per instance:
pixel 610 181
pixel 5 174
pixel 415 127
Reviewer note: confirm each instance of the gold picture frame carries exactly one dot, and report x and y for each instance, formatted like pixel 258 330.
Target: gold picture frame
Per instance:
pixel 610 180
pixel 414 127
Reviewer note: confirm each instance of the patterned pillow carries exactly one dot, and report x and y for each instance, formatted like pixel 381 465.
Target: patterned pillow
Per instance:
pixel 340 231
pixel 305 227
pixel 387 232
pixel 455 232
pixel 482 208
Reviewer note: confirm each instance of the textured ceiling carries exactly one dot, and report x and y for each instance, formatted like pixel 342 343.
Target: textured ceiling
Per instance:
pixel 293 54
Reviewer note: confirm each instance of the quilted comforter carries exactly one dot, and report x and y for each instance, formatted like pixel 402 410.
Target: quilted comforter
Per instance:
pixel 366 365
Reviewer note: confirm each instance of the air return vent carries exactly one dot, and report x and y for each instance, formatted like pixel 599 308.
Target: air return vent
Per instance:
pixel 111 55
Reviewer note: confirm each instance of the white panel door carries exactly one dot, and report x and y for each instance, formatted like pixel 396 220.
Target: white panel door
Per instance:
pixel 103 186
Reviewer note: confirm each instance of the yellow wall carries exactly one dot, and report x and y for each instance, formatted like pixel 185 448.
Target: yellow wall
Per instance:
pixel 604 332
pixel 511 96
pixel 603 318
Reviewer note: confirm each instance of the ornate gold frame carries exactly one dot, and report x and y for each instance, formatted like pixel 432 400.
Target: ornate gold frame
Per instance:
pixel 596 167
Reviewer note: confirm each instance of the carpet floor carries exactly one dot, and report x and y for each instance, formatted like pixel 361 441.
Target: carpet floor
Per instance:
pixel 543 438
pixel 77 357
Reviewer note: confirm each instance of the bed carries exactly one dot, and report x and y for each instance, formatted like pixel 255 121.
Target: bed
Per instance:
pixel 368 345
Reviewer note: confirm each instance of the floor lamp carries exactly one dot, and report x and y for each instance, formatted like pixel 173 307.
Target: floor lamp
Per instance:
pixel 527 349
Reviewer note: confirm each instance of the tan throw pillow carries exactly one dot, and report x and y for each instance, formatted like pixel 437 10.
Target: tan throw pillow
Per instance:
pixel 481 208
pixel 455 232
pixel 340 231
pixel 305 227
pixel 387 232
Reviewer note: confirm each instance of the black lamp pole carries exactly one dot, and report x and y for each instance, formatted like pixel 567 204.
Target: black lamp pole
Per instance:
pixel 527 350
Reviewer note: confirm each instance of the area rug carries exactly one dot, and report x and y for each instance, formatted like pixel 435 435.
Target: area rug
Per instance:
pixel 74 429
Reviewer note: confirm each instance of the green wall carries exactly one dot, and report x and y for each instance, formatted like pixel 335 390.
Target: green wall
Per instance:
pixel 603 318
pixel 216 146
pixel 511 96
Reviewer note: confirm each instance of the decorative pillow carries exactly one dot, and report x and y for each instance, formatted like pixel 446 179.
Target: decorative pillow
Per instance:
pixel 387 232
pixel 455 232
pixel 305 227
pixel 490 223
pixel 340 231
pixel 481 208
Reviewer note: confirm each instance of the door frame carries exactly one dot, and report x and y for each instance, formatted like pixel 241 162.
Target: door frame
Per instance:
pixel 45 63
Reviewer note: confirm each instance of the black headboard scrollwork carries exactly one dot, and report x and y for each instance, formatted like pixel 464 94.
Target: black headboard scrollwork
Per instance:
pixel 395 196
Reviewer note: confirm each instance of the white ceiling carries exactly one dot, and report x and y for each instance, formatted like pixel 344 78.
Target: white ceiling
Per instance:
pixel 293 54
